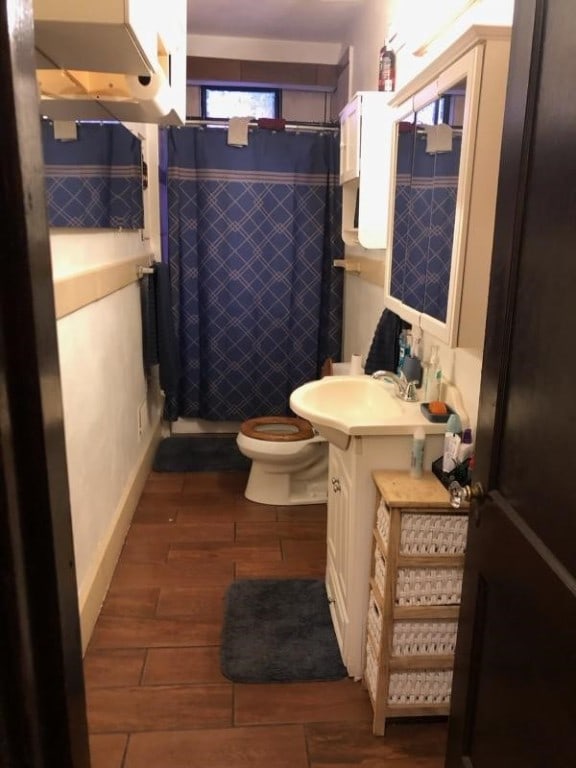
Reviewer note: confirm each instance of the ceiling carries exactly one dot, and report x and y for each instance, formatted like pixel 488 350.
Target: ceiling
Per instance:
pixel 322 21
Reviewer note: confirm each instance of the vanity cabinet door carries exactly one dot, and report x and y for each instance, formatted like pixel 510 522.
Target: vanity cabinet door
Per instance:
pixel 350 140
pixel 338 545
pixel 365 128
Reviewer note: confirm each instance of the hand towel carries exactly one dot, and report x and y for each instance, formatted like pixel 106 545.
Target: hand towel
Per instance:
pixel 384 350
pixel 238 131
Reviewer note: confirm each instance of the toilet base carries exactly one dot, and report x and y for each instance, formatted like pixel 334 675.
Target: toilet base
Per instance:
pixel 309 486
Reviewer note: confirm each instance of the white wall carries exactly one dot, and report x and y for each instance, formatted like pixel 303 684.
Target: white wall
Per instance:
pixel 103 384
pixel 364 303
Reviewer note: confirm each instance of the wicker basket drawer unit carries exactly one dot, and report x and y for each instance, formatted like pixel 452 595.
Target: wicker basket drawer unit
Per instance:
pixel 419 549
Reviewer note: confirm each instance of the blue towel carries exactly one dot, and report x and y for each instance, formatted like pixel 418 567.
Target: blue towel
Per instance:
pixel 168 356
pixel 384 350
pixel 149 335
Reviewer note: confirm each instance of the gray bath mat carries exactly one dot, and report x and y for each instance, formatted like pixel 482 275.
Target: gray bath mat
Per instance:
pixel 199 454
pixel 279 630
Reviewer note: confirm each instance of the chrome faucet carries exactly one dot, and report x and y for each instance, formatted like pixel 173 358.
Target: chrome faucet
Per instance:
pixel 405 390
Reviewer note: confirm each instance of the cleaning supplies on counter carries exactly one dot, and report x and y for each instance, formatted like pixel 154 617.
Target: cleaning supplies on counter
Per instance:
pixel 466 447
pixel 433 386
pixel 403 349
pixel 417 455
pixel 457 460
pixel 452 440
pixel 411 365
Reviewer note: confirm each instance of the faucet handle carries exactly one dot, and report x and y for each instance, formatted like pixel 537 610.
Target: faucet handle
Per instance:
pixel 410 391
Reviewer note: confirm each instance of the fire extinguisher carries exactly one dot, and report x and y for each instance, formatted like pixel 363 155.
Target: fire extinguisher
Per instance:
pixel 387 69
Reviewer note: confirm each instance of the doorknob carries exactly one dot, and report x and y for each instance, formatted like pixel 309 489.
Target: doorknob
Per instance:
pixel 460 494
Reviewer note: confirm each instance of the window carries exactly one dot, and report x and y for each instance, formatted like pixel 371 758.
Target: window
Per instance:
pixel 228 102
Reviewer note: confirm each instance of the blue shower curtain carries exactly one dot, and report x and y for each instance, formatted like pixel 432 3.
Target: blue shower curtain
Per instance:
pixel 252 235
pixel 424 216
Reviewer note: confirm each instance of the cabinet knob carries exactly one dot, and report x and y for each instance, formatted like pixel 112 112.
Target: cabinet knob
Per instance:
pixel 336 487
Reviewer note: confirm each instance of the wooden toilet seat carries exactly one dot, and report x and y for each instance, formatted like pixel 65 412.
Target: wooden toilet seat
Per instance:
pixel 278 429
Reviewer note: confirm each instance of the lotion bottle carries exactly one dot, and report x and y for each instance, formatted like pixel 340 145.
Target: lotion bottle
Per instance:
pixel 417 456
pixel 434 377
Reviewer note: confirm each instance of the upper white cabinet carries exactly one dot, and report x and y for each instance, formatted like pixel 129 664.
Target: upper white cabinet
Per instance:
pixel 365 130
pixel 114 59
pixel 445 163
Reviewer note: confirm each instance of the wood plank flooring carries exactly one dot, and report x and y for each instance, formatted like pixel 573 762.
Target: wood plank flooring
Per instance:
pixel 155 694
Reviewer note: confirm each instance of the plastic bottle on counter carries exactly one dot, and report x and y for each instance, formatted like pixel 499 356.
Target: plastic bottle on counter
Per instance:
pixel 417 455
pixel 466 447
pixel 433 390
pixel 452 440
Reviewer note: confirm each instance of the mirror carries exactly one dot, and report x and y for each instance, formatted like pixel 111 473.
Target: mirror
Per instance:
pixel 93 173
pixel 427 166
pixel 433 151
pixel 428 152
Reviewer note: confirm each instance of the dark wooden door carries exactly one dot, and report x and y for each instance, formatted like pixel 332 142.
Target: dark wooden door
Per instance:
pixel 42 707
pixel 514 693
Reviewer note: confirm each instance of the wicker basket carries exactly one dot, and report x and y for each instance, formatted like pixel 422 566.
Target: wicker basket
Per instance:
pixel 427 686
pixel 433 534
pixel 383 520
pixel 374 620
pixel 379 570
pixel 416 638
pixel 371 670
pixel 428 586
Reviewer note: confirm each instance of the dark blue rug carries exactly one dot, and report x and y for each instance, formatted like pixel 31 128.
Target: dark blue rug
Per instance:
pixel 199 454
pixel 279 630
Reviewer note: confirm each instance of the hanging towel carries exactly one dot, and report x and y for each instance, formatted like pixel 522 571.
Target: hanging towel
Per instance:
pixel 438 138
pixel 149 336
pixel 384 350
pixel 168 357
pixel 238 131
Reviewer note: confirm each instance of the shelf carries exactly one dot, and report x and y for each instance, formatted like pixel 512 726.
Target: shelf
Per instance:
pixel 431 612
pixel 391 676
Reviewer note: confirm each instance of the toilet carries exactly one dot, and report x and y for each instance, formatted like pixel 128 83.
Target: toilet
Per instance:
pixel 289 461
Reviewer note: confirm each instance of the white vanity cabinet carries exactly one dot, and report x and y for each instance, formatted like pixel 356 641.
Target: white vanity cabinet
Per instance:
pixel 443 203
pixel 365 130
pixel 351 519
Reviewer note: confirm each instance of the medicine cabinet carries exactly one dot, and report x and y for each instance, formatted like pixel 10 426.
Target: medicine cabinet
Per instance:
pixel 446 138
pixel 365 128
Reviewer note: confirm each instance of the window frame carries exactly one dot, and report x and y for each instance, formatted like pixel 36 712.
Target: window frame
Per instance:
pixel 276 92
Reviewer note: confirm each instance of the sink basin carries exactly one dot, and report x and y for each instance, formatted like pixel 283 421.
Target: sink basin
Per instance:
pixel 341 406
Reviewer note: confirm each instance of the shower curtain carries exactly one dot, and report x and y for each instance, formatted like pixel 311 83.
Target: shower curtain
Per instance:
pixel 252 234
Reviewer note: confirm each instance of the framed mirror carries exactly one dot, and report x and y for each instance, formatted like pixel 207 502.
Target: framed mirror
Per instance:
pixel 433 147
pixel 94 175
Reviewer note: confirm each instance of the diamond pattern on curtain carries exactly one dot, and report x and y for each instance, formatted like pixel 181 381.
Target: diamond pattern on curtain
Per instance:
pixel 425 207
pixel 96 180
pixel 253 232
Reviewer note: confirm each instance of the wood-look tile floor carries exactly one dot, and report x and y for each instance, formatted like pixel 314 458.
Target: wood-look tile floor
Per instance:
pixel 155 694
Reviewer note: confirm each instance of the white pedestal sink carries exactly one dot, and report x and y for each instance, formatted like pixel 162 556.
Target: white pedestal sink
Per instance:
pixel 368 428
pixel 342 406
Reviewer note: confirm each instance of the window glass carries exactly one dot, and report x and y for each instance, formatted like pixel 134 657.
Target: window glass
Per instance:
pixel 240 102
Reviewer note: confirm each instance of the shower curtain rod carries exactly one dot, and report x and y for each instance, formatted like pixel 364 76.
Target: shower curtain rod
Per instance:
pixel 222 122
